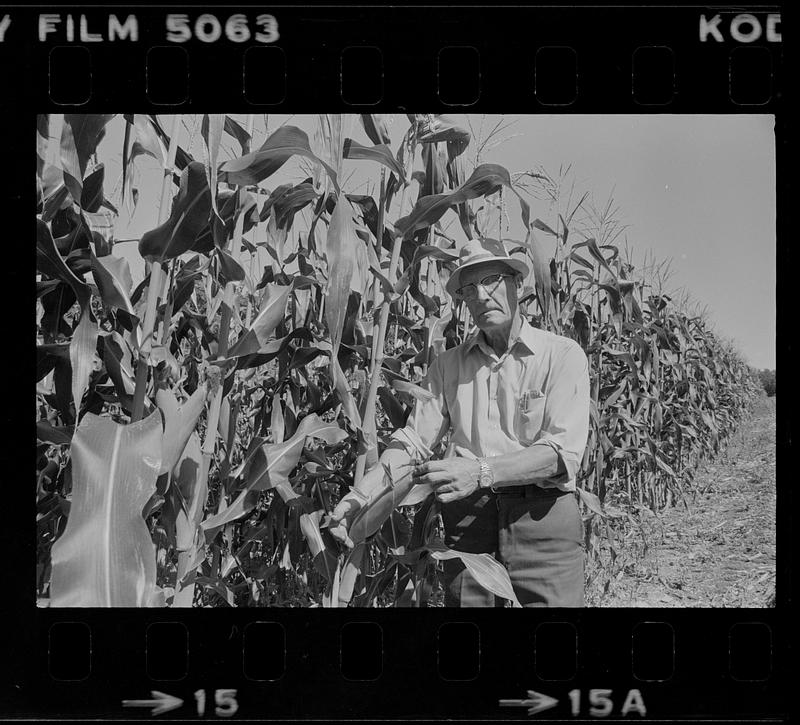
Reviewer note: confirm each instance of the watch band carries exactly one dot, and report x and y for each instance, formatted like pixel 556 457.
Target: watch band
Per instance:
pixel 486 478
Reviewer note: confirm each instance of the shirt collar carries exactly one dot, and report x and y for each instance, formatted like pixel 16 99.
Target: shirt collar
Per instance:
pixel 526 336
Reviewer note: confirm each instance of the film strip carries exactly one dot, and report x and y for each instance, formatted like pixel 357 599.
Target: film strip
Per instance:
pixel 282 663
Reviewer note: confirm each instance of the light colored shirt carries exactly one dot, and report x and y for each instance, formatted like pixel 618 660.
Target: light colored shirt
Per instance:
pixel 536 394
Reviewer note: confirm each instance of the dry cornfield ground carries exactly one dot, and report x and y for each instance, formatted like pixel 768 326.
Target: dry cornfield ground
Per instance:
pixel 721 551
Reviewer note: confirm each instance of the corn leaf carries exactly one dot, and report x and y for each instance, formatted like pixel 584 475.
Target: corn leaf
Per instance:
pixel 396 532
pixel 425 519
pixel 541 270
pixel 81 356
pixel 119 366
pixel 50 262
pixel 105 556
pixel 257 335
pixel 542 227
pixel 392 407
pixel 92 192
pixel 370 518
pixel 277 425
pixel 240 134
pixel 350 571
pixel 309 525
pixel 418 392
pixel 629 361
pixel 182 157
pixel 375 127
pixel 342 388
pixel 146 143
pixel 147 138
pixel 188 217
pixel 228 269
pixel 435 170
pixel 330 597
pixel 268 467
pixel 417 494
pixel 485 180
pixel 256 166
pixel 442 128
pixel 189 494
pixel 211 131
pixel 594 250
pixel 56 199
pixel 340 251
pixel 485 569
pixel 380 153
pixel 325 558
pixel 285 204
pixel 183 286
pixel 42 139
pixel 179 424
pixel 48 355
pixel 192 495
pixel 61 435
pixel 592 501
pixel 113 278
pixel 80 135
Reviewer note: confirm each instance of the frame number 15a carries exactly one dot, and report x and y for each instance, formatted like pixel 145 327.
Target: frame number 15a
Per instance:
pixel 601 704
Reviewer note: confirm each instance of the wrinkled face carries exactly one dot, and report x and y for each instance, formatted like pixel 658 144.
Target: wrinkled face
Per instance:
pixel 495 305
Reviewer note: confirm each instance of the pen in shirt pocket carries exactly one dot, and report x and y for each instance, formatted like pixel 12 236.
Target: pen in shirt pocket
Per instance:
pixel 527 396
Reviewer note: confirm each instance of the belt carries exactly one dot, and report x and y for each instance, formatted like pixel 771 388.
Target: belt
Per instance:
pixel 529 491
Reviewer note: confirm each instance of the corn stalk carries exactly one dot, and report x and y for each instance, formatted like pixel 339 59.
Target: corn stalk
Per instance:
pixel 156 281
pixel 379 330
pixel 226 313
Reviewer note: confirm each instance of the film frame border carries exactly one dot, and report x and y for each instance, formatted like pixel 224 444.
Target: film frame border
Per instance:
pixel 689 95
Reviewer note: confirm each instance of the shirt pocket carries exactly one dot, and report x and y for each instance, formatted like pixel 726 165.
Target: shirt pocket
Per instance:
pixel 530 415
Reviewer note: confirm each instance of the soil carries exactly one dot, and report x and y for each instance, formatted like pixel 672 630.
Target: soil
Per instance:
pixel 719 550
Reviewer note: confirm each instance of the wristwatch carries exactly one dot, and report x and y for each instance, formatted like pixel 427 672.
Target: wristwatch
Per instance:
pixel 485 477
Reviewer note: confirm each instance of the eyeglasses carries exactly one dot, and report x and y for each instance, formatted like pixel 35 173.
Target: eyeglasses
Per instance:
pixel 489 283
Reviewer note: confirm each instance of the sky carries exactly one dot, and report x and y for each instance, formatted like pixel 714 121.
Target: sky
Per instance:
pixel 697 190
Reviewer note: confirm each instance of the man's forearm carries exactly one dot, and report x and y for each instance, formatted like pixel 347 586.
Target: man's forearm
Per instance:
pixel 534 464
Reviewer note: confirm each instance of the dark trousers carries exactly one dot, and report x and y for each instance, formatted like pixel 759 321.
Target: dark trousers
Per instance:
pixel 536 533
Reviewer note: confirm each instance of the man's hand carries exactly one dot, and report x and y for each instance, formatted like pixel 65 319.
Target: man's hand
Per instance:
pixel 452 478
pixel 343 515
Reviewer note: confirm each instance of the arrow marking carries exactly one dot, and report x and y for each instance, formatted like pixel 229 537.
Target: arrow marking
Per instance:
pixel 536 702
pixel 160 703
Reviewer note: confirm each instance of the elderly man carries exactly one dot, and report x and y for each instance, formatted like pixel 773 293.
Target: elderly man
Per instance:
pixel 515 401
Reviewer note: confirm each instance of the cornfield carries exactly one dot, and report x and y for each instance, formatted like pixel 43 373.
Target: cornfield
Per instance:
pixel 196 430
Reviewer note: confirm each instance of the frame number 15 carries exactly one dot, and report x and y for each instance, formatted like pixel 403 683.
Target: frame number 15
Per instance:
pixel 225 700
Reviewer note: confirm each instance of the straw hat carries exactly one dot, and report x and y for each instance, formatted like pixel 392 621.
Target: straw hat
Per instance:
pixel 481 251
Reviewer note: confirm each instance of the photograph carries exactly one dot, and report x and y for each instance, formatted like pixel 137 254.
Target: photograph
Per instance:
pixel 405 360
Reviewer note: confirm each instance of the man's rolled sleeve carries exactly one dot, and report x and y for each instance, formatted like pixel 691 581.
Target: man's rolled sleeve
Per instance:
pixel 429 421
pixel 565 426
